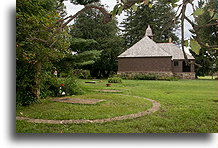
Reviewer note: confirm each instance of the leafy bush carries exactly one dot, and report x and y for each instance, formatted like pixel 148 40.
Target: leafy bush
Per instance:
pixel 172 79
pixel 49 87
pixel 80 73
pixel 114 80
pixel 72 87
pixel 25 97
pixel 24 83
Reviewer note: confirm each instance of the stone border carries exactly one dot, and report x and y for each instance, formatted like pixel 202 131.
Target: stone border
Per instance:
pixel 109 90
pixel 154 108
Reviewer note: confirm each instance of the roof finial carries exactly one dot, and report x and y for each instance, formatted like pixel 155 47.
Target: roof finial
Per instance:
pixel 149 32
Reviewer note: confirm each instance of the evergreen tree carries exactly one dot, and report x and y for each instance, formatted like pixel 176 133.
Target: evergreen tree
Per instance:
pixel 159 17
pixel 90 26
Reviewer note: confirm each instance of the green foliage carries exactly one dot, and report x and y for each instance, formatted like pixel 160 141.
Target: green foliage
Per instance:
pixel 159 17
pixel 71 86
pixel 89 27
pixel 36 49
pixel 198 11
pixel 49 86
pixel 195 46
pixel 208 35
pixel 25 97
pixel 186 107
pixel 172 79
pixel 80 73
pixel 114 79
pixel 80 45
pixel 138 76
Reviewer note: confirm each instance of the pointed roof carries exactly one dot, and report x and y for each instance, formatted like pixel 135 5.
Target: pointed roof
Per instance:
pixel 146 47
pixel 148 32
pixel 174 50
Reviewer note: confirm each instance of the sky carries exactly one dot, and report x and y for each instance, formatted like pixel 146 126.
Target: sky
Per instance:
pixel 72 9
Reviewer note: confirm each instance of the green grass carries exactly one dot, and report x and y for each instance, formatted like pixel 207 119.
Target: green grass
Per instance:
pixel 187 106
pixel 207 77
pixel 112 106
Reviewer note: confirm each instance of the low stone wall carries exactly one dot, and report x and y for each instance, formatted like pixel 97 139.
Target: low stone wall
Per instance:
pixel 132 75
pixel 185 75
pixel 160 75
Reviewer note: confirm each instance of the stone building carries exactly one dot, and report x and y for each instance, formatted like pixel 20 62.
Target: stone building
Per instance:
pixel 148 57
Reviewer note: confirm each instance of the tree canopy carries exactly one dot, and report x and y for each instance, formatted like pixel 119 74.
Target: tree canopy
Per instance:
pixel 158 17
pixel 90 26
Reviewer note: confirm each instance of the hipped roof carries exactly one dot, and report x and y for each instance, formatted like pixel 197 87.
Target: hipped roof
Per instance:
pixel 174 50
pixel 146 47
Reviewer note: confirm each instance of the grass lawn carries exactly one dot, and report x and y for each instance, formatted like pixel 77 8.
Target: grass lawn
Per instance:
pixel 187 106
pixel 207 77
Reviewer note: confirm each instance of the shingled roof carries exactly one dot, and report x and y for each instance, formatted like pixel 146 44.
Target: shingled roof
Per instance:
pixel 146 47
pixel 174 50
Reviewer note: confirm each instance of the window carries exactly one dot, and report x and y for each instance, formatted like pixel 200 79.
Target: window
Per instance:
pixel 176 63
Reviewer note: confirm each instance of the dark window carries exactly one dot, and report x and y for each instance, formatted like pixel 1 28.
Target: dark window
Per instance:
pixel 176 63
pixel 186 67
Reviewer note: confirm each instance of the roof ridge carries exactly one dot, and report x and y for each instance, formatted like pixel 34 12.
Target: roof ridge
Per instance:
pixel 144 48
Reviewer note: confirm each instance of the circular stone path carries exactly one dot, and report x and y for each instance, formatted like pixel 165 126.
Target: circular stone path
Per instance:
pixel 108 90
pixel 77 100
pixel 154 108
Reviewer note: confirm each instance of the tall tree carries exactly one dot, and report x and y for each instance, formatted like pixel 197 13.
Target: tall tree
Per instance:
pixel 207 58
pixel 37 48
pixel 90 25
pixel 158 17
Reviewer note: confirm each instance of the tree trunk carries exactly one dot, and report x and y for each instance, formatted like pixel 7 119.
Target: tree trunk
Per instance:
pixel 36 89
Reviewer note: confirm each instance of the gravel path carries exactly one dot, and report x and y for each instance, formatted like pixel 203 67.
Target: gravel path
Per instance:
pixel 154 108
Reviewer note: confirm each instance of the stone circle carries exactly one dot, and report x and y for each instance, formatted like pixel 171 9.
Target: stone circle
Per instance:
pixel 77 100
pixel 155 107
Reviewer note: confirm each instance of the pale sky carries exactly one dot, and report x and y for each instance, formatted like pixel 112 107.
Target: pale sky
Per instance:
pixel 72 9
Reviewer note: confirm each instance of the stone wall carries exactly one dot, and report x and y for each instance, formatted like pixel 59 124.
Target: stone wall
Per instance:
pixel 160 75
pixel 131 75
pixel 185 75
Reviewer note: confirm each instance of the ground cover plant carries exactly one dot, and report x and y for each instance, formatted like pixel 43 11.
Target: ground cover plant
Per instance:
pixel 187 106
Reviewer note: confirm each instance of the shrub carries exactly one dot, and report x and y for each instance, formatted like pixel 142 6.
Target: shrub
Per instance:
pixel 172 79
pixel 49 87
pixel 80 73
pixel 25 97
pixel 24 83
pixel 114 80
pixel 71 86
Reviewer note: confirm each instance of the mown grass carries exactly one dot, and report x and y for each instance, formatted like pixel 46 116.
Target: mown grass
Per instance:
pixel 207 77
pixel 112 106
pixel 187 106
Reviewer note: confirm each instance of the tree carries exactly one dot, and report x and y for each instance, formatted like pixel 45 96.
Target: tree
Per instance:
pixel 89 25
pixel 158 16
pixel 207 58
pixel 37 47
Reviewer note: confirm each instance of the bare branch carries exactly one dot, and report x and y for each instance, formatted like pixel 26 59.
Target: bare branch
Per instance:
pixel 182 29
pixel 38 39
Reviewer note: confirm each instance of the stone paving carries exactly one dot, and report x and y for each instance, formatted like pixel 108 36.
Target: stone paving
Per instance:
pixel 77 100
pixel 154 108
pixel 109 90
